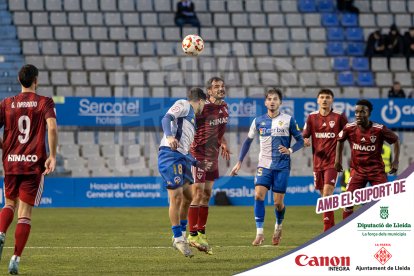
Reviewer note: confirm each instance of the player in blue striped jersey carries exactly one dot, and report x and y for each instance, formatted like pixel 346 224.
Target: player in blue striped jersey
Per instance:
pixel 174 162
pixel 275 131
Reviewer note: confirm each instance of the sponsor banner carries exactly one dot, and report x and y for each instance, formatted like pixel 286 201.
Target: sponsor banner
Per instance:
pixel 149 111
pixel 149 191
pixel 377 240
pixel 240 191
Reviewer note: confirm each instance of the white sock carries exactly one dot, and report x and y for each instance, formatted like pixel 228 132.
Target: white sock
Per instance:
pixel 15 258
pixel 259 231
pixel 184 233
pixel 179 239
pixel 278 226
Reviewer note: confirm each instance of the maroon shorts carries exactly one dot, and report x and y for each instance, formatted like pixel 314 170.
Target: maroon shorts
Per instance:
pixel 27 187
pixel 200 176
pixel 328 176
pixel 358 181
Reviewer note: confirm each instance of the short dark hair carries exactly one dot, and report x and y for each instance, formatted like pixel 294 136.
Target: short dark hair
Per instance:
pixel 27 75
pixel 367 104
pixel 325 91
pixel 209 83
pixel 274 91
pixel 195 94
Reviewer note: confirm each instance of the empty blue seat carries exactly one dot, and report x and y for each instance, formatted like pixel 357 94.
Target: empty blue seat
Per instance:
pixel 341 64
pixel 335 33
pixel 355 49
pixel 345 79
pixel 330 20
pixel 349 20
pixel 354 34
pixel 360 64
pixel 326 6
pixel 335 49
pixel 307 6
pixel 365 79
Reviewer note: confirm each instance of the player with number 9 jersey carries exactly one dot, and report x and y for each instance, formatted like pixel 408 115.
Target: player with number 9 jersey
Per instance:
pixel 24 119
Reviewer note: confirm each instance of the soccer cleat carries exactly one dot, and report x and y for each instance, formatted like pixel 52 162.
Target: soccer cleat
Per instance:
pixel 14 265
pixel 277 235
pixel 2 240
pixel 195 242
pixel 183 247
pixel 258 241
pixel 202 239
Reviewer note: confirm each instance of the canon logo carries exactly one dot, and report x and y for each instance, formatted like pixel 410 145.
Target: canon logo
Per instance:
pixel 304 260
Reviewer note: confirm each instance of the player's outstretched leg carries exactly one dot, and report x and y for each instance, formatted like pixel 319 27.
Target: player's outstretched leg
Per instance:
pixel 14 265
pixel 6 218
pixel 184 248
pixel 259 215
pixel 280 215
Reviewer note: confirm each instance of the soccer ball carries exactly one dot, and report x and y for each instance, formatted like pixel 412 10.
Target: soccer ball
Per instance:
pixel 193 45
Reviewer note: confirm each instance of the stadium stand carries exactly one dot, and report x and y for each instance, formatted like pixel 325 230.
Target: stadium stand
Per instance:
pixel 103 48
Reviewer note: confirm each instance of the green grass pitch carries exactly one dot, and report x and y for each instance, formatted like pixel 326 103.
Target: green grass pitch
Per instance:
pixel 137 241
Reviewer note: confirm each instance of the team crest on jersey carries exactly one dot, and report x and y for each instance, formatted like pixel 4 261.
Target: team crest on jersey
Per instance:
pixel 373 139
pixel 262 123
pixel 177 180
pixel 280 123
pixel 331 124
pixel 199 175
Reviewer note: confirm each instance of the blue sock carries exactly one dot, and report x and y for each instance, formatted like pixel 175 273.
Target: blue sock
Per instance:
pixel 183 224
pixel 280 215
pixel 259 213
pixel 176 229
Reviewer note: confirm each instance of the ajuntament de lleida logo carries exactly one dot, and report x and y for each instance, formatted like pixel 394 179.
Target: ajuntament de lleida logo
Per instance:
pixel 384 212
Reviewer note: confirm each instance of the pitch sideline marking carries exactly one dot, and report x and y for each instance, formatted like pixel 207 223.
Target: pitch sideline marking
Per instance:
pixel 139 247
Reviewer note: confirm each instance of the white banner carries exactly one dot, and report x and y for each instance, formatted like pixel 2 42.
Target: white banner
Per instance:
pixel 377 240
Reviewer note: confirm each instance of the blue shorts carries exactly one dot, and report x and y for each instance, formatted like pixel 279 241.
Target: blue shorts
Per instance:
pixel 277 180
pixel 174 168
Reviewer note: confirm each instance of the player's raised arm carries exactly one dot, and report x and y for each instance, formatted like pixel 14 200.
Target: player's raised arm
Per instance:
pixel 52 137
pixel 245 148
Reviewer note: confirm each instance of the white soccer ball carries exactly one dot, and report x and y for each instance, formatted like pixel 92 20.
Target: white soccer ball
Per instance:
pixel 193 45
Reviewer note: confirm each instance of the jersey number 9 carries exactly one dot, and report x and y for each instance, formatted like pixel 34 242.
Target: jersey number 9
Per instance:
pixel 24 128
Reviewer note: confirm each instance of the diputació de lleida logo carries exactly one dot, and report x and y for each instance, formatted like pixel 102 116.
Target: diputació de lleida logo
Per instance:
pixel 384 212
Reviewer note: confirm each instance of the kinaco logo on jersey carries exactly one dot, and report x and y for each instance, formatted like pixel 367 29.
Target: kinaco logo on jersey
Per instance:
pixel 22 158
pixel 363 147
pixel 324 135
pixel 333 263
pixel 219 121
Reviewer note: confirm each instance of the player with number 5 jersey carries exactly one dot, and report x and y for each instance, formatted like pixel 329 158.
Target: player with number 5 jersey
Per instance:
pixel 25 118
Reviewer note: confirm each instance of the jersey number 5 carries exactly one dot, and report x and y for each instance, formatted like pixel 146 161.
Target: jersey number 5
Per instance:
pixel 24 128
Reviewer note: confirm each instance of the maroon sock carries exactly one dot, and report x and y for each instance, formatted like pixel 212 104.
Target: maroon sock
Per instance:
pixel 202 218
pixel 347 212
pixel 328 220
pixel 6 218
pixel 193 212
pixel 21 235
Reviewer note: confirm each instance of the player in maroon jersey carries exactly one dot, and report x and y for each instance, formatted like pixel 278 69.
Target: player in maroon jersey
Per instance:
pixel 366 139
pixel 323 127
pixel 24 118
pixel 208 141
